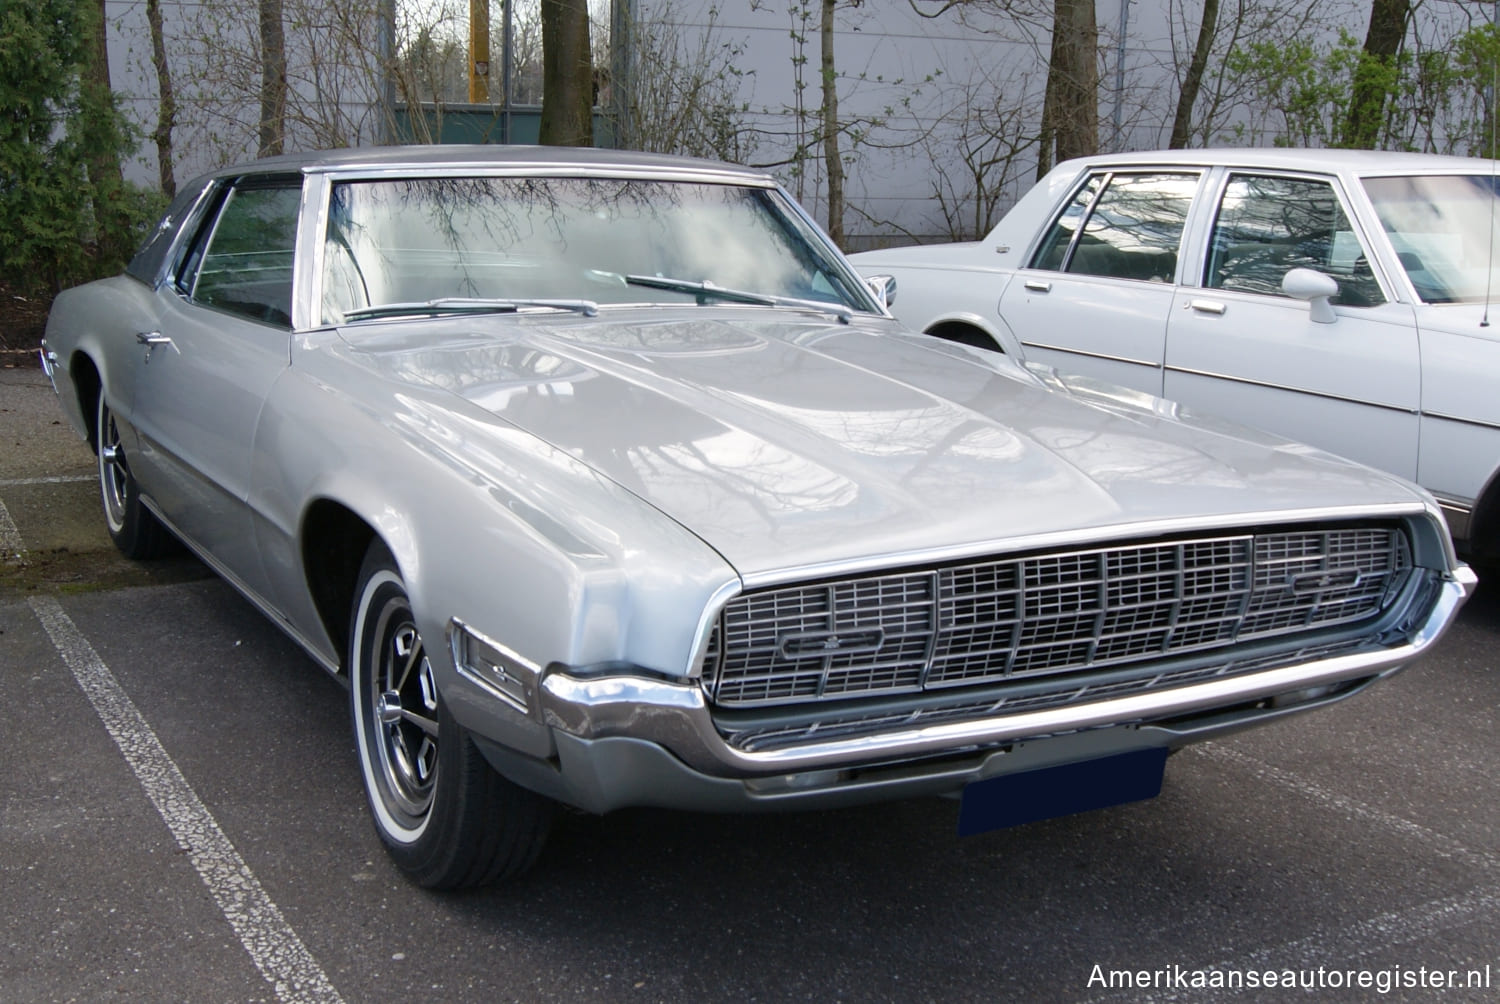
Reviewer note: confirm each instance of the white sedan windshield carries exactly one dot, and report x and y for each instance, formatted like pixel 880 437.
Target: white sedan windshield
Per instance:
pixel 526 239
pixel 1444 231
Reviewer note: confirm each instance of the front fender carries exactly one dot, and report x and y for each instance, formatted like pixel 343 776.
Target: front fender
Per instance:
pixel 489 526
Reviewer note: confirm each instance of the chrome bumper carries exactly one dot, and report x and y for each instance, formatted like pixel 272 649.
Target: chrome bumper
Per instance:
pixel 49 365
pixel 676 717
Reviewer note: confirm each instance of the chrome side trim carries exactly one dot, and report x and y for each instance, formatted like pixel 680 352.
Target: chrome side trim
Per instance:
pixel 676 716
pixel 1476 422
pixel 254 598
pixel 49 365
pixel 1295 390
pixel 1093 355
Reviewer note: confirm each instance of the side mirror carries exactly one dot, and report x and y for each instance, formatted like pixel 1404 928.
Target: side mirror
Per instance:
pixel 884 288
pixel 1314 287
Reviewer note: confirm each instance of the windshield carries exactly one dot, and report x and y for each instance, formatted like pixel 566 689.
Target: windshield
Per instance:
pixel 525 240
pixel 1444 231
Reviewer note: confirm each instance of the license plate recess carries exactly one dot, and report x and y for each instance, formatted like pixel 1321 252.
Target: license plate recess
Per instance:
pixel 1048 792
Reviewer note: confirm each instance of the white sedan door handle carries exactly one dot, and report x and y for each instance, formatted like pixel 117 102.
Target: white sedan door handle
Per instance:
pixel 152 338
pixel 1207 306
pixel 1038 286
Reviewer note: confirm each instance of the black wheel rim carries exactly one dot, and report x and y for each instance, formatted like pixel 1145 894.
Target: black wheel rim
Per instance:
pixel 114 476
pixel 401 703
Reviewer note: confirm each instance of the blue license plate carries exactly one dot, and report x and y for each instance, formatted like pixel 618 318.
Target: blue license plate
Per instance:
pixel 1013 799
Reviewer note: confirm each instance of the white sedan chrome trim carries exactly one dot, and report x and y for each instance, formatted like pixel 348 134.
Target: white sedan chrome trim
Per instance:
pixel 1295 390
pixel 1092 355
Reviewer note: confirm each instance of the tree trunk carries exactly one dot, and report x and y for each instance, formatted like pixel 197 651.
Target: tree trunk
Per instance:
pixel 1182 122
pixel 272 79
pixel 833 164
pixel 1070 109
pixel 166 105
pixel 101 143
pixel 1372 85
pixel 567 74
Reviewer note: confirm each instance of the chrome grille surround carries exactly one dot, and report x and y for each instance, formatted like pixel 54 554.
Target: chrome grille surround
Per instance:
pixel 1049 614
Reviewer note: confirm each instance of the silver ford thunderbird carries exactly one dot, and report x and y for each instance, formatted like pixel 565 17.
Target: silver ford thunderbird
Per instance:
pixel 605 481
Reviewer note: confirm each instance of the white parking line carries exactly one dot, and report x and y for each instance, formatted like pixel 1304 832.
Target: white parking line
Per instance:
pixel 274 947
pixel 66 479
pixel 12 547
pixel 1343 947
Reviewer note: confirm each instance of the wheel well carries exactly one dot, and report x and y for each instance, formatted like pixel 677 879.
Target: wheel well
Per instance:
pixel 86 384
pixel 1483 543
pixel 965 334
pixel 334 542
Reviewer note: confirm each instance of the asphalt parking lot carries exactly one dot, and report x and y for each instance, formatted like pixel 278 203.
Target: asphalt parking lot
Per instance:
pixel 181 820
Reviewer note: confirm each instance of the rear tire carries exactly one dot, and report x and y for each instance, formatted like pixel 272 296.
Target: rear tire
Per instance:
pixel 136 532
pixel 445 816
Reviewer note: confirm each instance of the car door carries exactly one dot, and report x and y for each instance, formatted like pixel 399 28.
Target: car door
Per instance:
pixel 1238 346
pixel 223 336
pixel 1095 295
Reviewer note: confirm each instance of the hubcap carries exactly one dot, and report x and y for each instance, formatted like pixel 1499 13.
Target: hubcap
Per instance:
pixel 404 709
pixel 113 474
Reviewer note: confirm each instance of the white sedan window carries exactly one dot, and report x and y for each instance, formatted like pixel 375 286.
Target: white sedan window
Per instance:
pixel 1268 225
pixel 1444 232
pixel 1132 229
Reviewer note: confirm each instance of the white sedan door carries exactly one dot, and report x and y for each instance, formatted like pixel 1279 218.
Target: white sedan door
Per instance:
pixel 1098 290
pixel 1239 347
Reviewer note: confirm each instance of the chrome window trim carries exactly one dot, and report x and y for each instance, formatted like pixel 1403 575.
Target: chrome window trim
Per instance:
pixel 187 226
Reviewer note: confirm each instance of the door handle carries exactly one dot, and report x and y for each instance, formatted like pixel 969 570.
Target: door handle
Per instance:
pixel 1038 286
pixel 151 339
pixel 1207 306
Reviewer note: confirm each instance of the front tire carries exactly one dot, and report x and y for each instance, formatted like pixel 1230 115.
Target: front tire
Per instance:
pixel 136 532
pixel 445 816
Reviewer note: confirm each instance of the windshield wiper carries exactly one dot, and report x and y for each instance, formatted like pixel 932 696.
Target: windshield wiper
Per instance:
pixel 706 291
pixel 467 305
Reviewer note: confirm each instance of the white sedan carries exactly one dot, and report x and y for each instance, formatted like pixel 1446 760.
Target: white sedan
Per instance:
pixel 1337 297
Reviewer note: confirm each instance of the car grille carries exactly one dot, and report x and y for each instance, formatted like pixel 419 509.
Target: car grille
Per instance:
pixel 1041 615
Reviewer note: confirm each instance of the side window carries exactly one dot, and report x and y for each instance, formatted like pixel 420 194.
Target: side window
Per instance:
pixel 1131 228
pixel 1267 226
pixel 243 260
pixel 1053 253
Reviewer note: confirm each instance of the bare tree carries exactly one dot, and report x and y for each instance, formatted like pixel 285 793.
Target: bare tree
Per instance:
pixel 101 140
pixel 685 92
pixel 1070 110
pixel 833 164
pixel 567 74
pixel 166 101
pixel 1192 80
pixel 978 152
pixel 273 85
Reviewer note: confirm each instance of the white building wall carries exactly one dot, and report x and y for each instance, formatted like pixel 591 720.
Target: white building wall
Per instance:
pixel 916 91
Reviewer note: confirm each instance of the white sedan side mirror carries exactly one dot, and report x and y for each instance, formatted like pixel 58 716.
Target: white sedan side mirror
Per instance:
pixel 1314 287
pixel 884 288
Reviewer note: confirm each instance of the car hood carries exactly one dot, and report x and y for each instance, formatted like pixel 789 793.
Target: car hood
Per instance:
pixel 787 440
